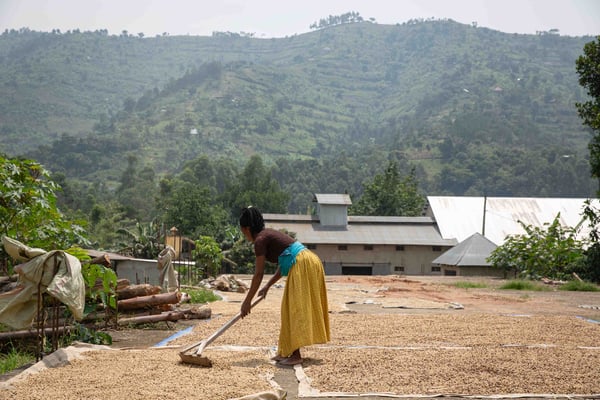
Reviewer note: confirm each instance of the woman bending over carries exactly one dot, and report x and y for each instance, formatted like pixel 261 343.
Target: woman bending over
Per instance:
pixel 304 308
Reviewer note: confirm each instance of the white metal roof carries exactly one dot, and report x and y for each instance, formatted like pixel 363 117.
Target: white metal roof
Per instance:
pixel 459 217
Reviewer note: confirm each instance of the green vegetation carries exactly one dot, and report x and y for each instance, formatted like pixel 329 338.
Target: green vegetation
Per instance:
pixel 470 285
pixel 588 69
pixel 389 195
pixel 201 296
pixel 520 284
pixel 28 210
pixel 575 285
pixel 13 359
pixel 469 110
pixel 86 335
pixel 552 251
pixel 208 256
pixel 528 285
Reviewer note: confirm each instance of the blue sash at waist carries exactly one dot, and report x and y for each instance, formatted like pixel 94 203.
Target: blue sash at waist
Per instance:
pixel 288 257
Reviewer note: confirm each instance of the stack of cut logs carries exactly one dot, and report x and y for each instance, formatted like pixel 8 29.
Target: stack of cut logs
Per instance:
pixel 137 304
pixel 144 303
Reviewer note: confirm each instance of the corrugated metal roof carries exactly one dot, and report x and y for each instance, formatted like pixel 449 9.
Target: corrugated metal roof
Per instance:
pixel 374 234
pixel 112 256
pixel 351 219
pixel 391 220
pixel 460 217
pixel 333 199
pixel 472 252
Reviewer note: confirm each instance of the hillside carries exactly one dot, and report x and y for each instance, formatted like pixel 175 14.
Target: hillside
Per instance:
pixel 474 109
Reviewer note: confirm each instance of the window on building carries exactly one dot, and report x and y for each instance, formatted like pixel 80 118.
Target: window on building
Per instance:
pixel 399 247
pixel 368 247
pixel 342 247
pixel 449 272
pixel 436 248
pixel 398 268
pixel 436 269
pixel 311 246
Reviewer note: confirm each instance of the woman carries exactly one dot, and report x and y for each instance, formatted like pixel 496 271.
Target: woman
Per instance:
pixel 304 309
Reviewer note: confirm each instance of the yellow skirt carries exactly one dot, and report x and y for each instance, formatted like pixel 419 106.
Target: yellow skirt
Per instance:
pixel 304 307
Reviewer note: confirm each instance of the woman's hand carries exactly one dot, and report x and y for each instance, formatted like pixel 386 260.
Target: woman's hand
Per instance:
pixel 263 292
pixel 246 307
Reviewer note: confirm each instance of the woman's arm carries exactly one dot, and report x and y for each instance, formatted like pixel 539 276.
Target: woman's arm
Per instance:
pixel 276 276
pixel 259 272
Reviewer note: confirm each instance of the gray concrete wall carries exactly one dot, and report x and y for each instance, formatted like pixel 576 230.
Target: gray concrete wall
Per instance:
pixel 385 259
pixel 138 271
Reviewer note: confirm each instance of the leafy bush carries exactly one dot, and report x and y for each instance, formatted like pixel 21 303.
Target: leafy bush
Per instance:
pixel 199 296
pixel 86 335
pixel 520 284
pixel 208 256
pixel 554 252
pixel 580 286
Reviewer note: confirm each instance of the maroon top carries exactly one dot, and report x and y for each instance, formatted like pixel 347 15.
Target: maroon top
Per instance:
pixel 271 243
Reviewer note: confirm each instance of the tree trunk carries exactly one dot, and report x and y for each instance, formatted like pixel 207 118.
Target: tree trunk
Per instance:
pixel 148 301
pixel 194 313
pixel 132 291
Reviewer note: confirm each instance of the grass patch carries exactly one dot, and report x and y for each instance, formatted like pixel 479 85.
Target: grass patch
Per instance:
pixel 579 286
pixel 470 285
pixel 520 284
pixel 199 296
pixel 14 359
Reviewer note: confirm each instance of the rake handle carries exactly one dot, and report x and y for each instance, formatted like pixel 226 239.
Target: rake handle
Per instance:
pixel 220 331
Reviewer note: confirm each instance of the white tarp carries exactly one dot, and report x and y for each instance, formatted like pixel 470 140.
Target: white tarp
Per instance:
pixel 56 273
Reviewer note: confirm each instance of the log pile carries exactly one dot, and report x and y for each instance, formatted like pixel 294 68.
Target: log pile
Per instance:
pixel 144 303
pixel 137 304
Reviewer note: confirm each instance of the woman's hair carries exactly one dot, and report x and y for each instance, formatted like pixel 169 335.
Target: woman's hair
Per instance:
pixel 251 217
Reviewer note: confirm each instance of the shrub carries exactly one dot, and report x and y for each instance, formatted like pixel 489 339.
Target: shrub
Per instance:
pixel 520 284
pixel 470 285
pixel 580 286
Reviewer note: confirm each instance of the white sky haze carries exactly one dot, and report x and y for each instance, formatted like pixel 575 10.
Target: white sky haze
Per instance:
pixel 280 18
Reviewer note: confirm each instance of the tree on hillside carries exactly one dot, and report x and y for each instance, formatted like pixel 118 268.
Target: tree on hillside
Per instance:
pixel 391 195
pixel 192 209
pixel 136 191
pixel 256 186
pixel 588 68
pixel 333 20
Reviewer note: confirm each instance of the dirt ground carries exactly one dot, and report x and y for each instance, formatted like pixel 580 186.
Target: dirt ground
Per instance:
pixel 391 336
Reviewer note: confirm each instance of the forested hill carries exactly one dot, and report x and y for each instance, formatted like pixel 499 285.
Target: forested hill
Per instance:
pixel 475 110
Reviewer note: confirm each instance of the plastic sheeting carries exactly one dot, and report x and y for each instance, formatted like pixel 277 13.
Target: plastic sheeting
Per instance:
pixel 56 273
pixel 168 277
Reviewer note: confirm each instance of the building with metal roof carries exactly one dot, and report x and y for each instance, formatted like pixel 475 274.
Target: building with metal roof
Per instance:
pixel 356 245
pixel 458 217
pixel 364 245
pixel 469 258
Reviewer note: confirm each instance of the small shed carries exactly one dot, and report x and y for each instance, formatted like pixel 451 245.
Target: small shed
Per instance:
pixel 469 258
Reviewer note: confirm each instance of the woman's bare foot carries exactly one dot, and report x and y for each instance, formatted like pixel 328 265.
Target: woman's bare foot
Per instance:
pixel 293 359
pixel 290 361
pixel 278 358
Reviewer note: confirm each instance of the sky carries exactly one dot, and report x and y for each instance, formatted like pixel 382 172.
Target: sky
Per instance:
pixel 280 18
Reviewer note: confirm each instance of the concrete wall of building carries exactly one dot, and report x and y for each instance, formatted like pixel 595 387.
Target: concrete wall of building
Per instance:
pixel 447 270
pixel 383 259
pixel 333 215
pixel 138 271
